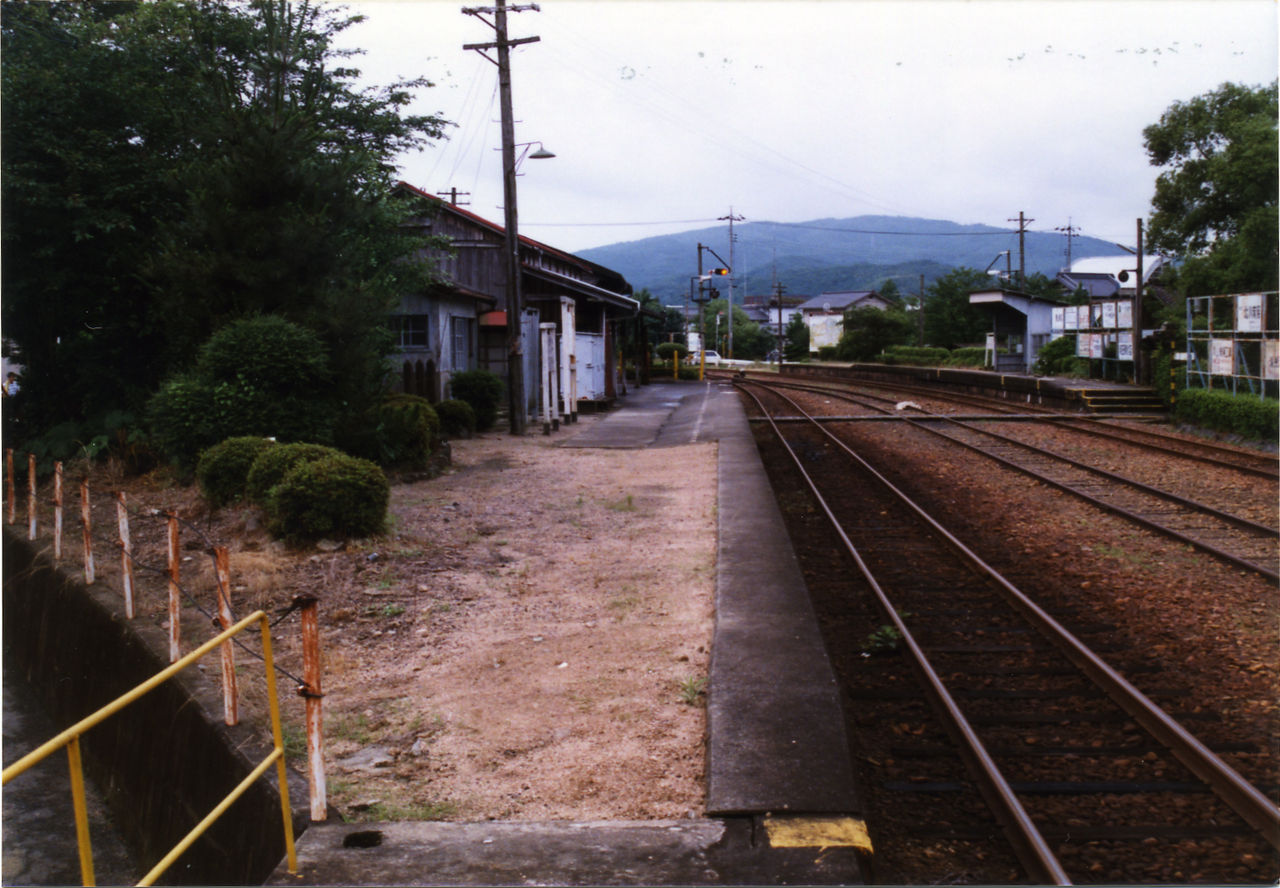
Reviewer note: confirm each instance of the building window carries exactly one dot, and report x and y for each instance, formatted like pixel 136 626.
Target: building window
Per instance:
pixel 413 330
pixel 461 351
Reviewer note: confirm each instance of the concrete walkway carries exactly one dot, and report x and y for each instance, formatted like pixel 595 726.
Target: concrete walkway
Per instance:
pixel 781 803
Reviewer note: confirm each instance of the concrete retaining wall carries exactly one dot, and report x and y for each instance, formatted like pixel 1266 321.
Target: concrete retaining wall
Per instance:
pixel 163 762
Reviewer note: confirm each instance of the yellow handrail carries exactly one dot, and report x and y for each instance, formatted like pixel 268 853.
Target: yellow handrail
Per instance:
pixel 70 738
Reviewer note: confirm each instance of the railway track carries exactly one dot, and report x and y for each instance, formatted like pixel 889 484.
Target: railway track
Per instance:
pixel 1238 540
pixel 1260 465
pixel 1045 727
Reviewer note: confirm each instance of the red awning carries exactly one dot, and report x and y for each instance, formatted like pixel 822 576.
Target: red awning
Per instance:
pixel 493 319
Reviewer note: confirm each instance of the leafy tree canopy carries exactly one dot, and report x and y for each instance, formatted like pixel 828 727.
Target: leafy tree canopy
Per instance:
pixel 949 320
pixel 169 167
pixel 867 331
pixel 1215 201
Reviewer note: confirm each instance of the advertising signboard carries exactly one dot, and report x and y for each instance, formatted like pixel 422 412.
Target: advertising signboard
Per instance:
pixel 1124 346
pixel 1249 313
pixel 1270 359
pixel 1109 315
pixel 1222 357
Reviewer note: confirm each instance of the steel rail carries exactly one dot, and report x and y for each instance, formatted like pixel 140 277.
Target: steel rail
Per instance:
pixel 1081 424
pixel 1244 798
pixel 1025 837
pixel 1272 472
pixel 1128 514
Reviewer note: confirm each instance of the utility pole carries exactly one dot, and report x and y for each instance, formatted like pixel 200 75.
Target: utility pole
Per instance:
pixel 1070 231
pixel 452 194
pixel 1022 252
pixel 778 290
pixel 1139 362
pixel 920 319
pixel 514 294
pixel 733 265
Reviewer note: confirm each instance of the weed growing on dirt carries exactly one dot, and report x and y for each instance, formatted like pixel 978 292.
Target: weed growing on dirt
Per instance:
pixel 692 688
pixel 623 505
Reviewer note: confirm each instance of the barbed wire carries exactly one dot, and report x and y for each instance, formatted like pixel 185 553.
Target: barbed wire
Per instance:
pixel 210 549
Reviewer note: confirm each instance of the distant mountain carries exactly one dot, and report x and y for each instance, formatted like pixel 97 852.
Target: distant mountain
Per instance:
pixel 836 254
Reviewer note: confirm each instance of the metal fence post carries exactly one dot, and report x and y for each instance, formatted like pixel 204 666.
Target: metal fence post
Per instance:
pixel 126 553
pixel 31 496
pixel 88 531
pixel 8 483
pixel 174 631
pixel 57 510
pixel 230 695
pixel 313 696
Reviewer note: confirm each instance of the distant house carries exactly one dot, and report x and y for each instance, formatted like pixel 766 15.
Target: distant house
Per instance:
pixel 824 313
pixel 461 323
pixel 764 311
pixel 1105 277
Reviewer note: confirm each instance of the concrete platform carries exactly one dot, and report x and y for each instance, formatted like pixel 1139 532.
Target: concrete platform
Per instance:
pixel 780 790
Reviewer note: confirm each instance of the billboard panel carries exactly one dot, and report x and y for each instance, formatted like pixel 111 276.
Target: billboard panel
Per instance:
pixel 1222 354
pixel 1249 312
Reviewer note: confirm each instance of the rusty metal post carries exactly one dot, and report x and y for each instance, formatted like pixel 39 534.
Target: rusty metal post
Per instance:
pixel 31 496
pixel 126 553
pixel 88 531
pixel 174 631
pixel 313 696
pixel 57 510
pixel 8 484
pixel 230 694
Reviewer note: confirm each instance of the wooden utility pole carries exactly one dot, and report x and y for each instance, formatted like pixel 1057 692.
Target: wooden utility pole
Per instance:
pixel 1070 231
pixel 1022 221
pixel 733 266
pixel 920 319
pixel 514 293
pixel 1139 358
pixel 452 194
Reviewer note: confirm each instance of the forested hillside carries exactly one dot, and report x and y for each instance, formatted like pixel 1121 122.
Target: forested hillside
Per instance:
pixel 837 254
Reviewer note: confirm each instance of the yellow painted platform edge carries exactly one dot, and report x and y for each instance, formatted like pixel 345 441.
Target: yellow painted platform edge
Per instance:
pixel 817 832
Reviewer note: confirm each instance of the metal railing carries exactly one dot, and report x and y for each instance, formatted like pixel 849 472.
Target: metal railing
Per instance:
pixel 70 739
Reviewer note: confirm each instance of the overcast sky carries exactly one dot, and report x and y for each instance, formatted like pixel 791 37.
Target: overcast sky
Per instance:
pixel 665 115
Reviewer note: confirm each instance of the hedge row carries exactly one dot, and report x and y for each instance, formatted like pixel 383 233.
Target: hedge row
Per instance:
pixel 1244 415
pixel 929 356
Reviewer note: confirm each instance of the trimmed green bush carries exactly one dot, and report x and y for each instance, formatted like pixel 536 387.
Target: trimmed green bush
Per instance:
pixel 483 391
pixel 262 376
pixel 664 351
pixel 397 432
pixel 1245 415
pixel 407 427
pixel 457 419
pixel 273 464
pixel 223 469
pixel 968 356
pixel 334 496
pixel 925 356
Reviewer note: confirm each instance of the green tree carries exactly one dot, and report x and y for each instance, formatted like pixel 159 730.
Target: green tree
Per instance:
pixel 797 339
pixel 949 320
pixel 867 331
pixel 1215 200
pixel 171 166
pixel 749 339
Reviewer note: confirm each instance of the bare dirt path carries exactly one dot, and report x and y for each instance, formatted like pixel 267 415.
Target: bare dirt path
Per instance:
pixel 528 641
